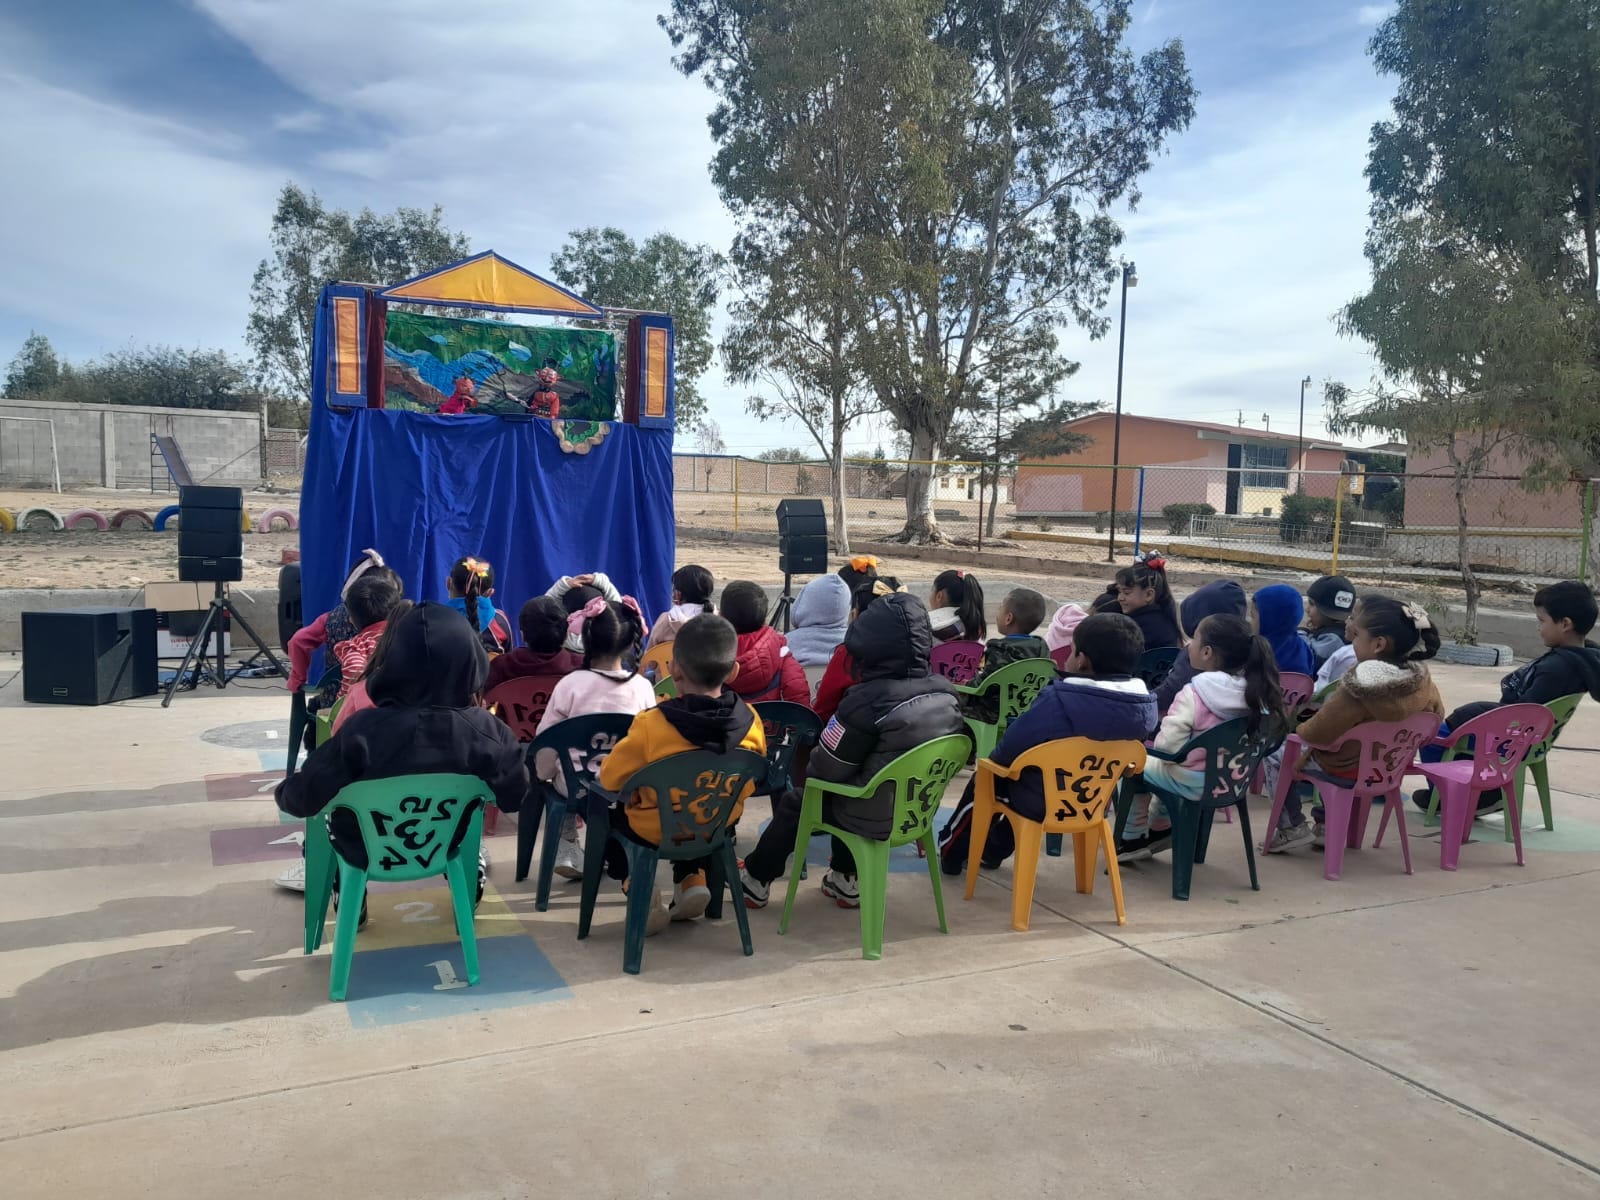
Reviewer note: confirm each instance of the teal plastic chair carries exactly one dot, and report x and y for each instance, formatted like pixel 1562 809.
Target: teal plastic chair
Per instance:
pixel 1017 685
pixel 1155 665
pixel 695 793
pixel 788 726
pixel 1562 708
pixel 1232 756
pixel 580 744
pixel 407 824
pixel 919 778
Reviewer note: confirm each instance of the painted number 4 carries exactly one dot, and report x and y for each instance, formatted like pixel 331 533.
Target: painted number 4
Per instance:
pixel 447 977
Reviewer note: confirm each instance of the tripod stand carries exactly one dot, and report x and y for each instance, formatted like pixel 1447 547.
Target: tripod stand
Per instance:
pixel 785 607
pixel 220 605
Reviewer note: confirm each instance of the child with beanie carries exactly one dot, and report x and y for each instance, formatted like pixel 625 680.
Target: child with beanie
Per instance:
pixel 1277 611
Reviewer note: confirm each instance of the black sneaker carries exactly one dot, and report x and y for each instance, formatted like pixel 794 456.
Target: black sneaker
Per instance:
pixel 1135 849
pixel 1422 797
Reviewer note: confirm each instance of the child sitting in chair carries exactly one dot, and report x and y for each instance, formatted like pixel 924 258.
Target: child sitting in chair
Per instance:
pixel 427 719
pixel 1021 612
pixel 543 650
pixel 767 671
pixel 896 705
pixel 704 715
pixel 1100 698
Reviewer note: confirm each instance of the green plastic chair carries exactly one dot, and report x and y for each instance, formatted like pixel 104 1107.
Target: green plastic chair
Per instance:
pixel 407 824
pixel 919 778
pixel 580 744
pixel 666 689
pixel 1563 708
pixel 1019 685
pixel 695 792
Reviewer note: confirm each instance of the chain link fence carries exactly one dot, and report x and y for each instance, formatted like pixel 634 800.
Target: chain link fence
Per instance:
pixel 1388 529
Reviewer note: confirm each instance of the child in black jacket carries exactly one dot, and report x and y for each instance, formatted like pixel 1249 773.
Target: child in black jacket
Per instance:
pixel 426 719
pixel 897 705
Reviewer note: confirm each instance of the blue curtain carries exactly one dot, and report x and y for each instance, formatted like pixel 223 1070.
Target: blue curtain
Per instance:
pixel 424 490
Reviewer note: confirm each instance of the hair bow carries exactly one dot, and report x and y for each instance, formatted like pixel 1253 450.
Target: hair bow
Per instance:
pixel 480 569
pixel 1417 615
pixel 880 588
pixel 369 559
pixel 863 562
pixel 588 612
pixel 1151 559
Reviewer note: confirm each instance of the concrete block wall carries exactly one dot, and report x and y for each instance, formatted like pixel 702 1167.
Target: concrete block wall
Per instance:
pixel 108 445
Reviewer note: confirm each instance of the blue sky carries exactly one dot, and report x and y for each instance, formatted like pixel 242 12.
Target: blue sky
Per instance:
pixel 145 144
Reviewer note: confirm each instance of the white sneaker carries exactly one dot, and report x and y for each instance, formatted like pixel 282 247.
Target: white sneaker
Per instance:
pixel 294 879
pixel 842 888
pixel 1289 836
pixel 755 892
pixel 660 916
pixel 569 859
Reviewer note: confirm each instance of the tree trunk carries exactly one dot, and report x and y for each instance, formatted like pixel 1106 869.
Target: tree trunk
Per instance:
pixel 1469 581
pixel 841 530
pixel 920 527
pixel 993 507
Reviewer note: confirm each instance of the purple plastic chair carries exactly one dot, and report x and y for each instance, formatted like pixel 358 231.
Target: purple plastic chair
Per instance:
pixel 956 661
pixel 1387 752
pixel 1297 690
pixel 1501 739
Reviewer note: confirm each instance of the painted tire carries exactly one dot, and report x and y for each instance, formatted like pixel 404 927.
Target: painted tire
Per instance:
pixel 244 521
pixel 138 517
pixel 165 515
pixel 8 523
pixel 27 514
pixel 97 519
pixel 265 520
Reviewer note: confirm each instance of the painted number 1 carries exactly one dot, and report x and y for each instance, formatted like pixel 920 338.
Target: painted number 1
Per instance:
pixel 447 976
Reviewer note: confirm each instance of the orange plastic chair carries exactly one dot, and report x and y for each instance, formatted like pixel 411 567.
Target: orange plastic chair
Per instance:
pixel 657 659
pixel 1080 778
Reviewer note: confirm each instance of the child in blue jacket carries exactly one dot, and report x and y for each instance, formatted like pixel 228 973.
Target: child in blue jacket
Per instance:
pixel 1100 698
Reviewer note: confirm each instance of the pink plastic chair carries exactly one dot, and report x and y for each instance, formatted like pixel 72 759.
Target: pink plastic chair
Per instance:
pixel 1387 752
pixel 956 661
pixel 1297 690
pixel 1501 739
pixel 1060 655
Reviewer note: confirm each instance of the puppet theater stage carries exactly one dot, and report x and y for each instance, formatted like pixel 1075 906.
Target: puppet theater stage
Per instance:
pixel 539 498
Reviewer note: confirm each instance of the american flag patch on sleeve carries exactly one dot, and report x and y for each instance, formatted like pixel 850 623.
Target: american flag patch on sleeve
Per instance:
pixel 833 735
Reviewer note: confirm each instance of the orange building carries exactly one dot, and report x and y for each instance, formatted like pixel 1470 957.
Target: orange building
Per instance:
pixel 1234 469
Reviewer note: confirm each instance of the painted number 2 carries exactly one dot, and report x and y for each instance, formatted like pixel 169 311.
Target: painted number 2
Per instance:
pixel 415 911
pixel 447 977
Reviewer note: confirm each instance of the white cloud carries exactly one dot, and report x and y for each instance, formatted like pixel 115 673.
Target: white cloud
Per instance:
pixel 307 120
pixel 1372 14
pixel 120 226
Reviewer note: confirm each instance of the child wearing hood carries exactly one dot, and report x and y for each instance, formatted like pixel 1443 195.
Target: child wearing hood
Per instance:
pixel 1233 675
pixel 1222 598
pixel 821 617
pixel 1100 698
pixel 767 670
pixel 1278 611
pixel 1058 636
pixel 704 715
pixel 896 705
pixel 427 719
pixel 691 595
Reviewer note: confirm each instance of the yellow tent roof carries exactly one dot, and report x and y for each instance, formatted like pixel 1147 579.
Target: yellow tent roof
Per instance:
pixel 490 282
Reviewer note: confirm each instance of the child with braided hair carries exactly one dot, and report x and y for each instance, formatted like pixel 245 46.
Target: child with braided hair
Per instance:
pixel 470 584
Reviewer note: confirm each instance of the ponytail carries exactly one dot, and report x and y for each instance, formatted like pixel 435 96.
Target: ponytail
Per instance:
pixel 695 585
pixel 472 577
pixel 1247 654
pixel 1151 572
pixel 614 632
pixel 965 594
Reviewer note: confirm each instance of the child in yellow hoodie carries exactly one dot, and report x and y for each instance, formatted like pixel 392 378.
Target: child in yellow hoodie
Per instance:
pixel 704 715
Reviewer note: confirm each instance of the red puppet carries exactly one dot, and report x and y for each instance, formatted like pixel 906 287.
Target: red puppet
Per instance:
pixel 464 397
pixel 545 402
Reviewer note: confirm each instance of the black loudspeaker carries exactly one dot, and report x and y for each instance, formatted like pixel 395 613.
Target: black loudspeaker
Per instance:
pixel 802 537
pixel 210 544
pixel 88 655
pixel 291 616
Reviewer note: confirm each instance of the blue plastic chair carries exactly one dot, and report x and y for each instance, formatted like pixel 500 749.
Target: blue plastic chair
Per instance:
pixel 695 792
pixel 407 824
pixel 581 745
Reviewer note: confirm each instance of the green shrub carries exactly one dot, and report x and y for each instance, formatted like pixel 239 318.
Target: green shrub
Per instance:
pixel 1307 518
pixel 1178 515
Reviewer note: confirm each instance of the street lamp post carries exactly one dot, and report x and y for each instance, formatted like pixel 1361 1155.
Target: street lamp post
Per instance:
pixel 1300 470
pixel 1130 278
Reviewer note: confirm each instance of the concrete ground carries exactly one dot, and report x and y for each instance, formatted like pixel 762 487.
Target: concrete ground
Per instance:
pixel 162 1034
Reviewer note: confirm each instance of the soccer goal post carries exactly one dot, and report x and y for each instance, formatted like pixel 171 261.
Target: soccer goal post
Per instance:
pixel 21 457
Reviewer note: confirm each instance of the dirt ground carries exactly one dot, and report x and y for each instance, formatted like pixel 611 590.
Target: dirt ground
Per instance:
pixel 78 558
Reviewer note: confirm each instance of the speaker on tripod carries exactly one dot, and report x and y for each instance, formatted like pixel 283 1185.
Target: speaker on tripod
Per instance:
pixel 802 549
pixel 211 550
